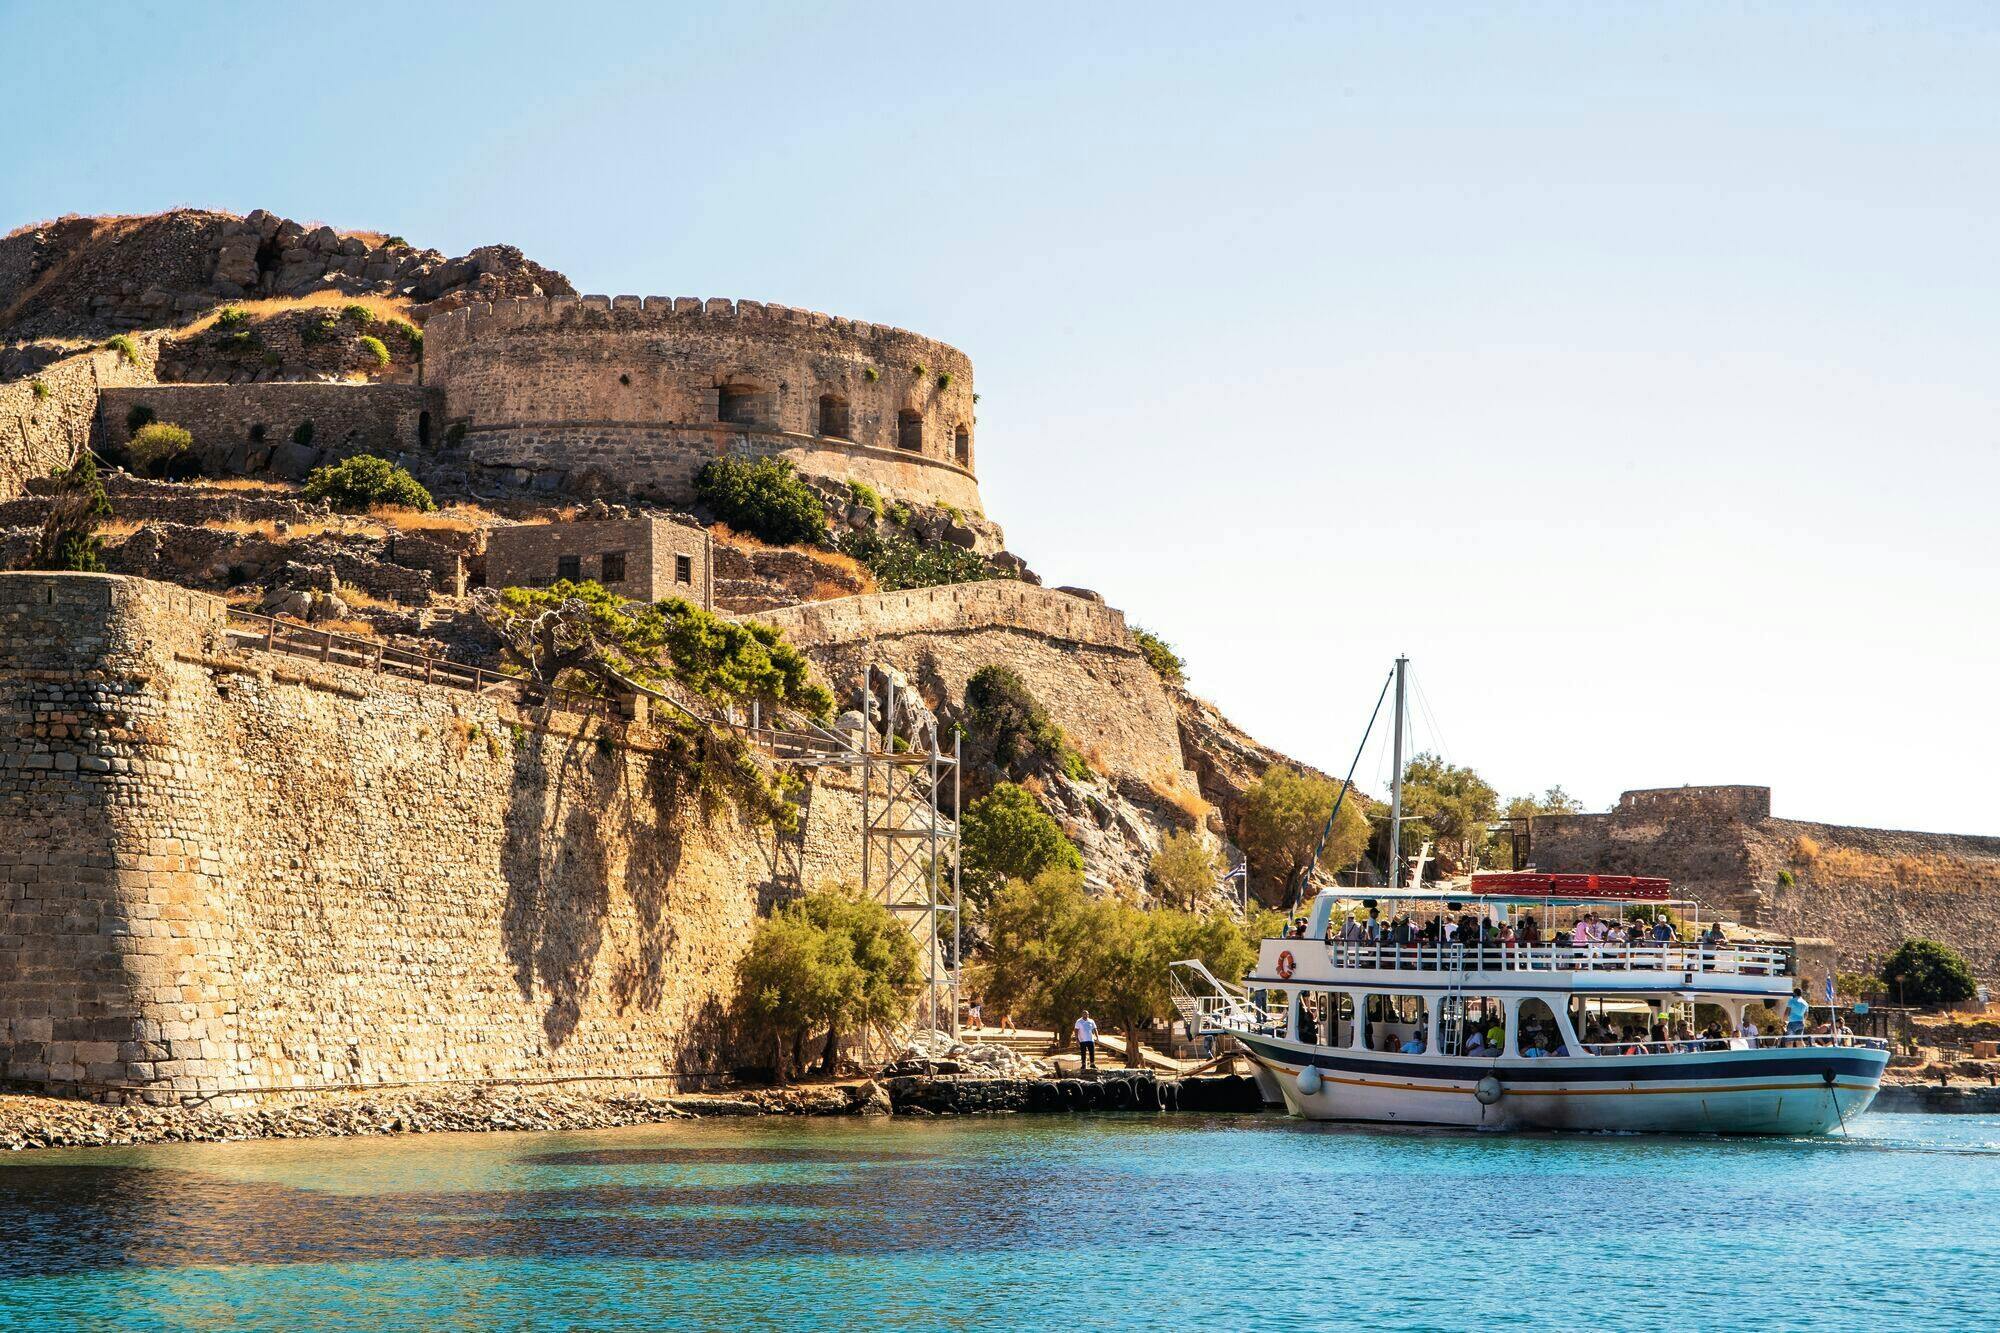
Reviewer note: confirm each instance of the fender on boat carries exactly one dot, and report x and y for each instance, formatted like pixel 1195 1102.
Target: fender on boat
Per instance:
pixel 1309 1080
pixel 1489 1090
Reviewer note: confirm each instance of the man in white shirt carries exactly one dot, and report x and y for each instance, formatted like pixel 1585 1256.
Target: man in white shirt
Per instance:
pixel 1086 1041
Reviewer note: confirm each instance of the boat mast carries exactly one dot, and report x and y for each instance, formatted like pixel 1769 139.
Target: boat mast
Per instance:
pixel 1396 797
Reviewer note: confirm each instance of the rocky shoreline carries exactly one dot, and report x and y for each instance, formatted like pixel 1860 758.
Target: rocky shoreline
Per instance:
pixel 31 1122
pixel 1934 1099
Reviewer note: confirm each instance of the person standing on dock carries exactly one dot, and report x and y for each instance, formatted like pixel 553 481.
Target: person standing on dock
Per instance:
pixel 1086 1041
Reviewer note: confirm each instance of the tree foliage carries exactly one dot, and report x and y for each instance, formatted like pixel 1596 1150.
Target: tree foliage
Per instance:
pixel 355 485
pixel 582 638
pixel 1554 801
pixel 1184 872
pixel 830 961
pixel 1054 951
pixel 898 561
pixel 1005 835
pixel 1446 804
pixel 765 498
pixel 156 444
pixel 78 506
pixel 1924 972
pixel 1006 718
pixel 1282 815
pixel 1160 656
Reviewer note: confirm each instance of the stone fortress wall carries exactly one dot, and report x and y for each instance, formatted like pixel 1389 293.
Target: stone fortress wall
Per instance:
pixel 249 429
pixel 43 431
pixel 230 875
pixel 1866 889
pixel 624 396
pixel 1075 654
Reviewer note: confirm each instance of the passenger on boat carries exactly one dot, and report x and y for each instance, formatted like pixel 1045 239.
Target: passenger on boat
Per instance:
pixel 1663 931
pixel 1531 934
pixel 1476 1045
pixel 1415 1045
pixel 1712 937
pixel 1796 1010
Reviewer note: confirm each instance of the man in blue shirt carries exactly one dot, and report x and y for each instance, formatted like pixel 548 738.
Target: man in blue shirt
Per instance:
pixel 1795 1013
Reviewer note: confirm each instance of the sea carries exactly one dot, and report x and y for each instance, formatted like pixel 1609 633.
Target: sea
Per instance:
pixel 1018 1222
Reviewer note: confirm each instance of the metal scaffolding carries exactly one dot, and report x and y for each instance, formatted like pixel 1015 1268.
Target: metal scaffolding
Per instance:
pixel 909 847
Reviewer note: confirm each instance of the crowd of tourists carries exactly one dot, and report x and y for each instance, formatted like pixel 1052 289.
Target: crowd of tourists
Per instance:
pixel 1472 931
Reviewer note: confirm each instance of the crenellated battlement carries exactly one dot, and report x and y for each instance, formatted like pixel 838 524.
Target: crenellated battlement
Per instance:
pixel 486 319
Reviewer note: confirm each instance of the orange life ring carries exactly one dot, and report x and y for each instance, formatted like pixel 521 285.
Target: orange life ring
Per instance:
pixel 1286 965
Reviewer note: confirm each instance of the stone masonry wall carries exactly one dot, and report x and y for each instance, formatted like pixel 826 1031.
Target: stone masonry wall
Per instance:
pixel 40 433
pixel 1076 655
pixel 232 875
pixel 1865 889
pixel 389 420
pixel 621 396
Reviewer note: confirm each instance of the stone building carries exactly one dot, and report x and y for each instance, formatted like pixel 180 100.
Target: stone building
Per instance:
pixel 626 398
pixel 645 558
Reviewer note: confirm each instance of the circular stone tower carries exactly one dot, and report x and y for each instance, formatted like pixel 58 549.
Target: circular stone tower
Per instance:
pixel 623 397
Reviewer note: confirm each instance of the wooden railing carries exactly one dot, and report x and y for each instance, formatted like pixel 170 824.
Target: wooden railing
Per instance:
pixel 269 633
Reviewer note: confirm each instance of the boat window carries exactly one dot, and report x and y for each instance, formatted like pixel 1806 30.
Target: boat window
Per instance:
pixel 1396 1022
pixel 1340 1032
pixel 1538 1034
pixel 1472 1025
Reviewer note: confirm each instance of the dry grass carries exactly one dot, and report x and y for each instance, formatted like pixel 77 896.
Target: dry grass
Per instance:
pixel 452 518
pixel 366 600
pixel 247 484
pixel 1804 851
pixel 1180 798
pixel 382 307
pixel 119 528
pixel 267 528
pixel 356 629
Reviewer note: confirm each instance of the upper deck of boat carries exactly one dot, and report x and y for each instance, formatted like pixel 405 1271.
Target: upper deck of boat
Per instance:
pixel 1557 962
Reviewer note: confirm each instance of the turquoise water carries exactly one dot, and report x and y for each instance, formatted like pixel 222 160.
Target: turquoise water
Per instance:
pixel 1016 1222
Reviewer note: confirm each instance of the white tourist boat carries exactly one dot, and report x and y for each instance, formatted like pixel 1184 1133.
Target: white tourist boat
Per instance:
pixel 1440 1022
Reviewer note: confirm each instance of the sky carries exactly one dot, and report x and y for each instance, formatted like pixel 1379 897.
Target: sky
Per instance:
pixel 1629 367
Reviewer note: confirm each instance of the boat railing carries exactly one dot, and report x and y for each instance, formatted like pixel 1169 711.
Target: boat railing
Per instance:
pixel 1765 960
pixel 1209 1004
pixel 1776 1041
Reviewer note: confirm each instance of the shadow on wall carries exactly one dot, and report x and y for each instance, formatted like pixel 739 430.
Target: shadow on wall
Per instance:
pixel 574 825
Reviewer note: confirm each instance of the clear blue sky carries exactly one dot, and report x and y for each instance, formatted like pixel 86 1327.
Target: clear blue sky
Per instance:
pixel 1630 367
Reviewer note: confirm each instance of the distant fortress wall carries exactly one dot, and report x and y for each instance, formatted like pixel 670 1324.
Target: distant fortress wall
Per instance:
pixel 624 396
pixel 1866 889
pixel 225 874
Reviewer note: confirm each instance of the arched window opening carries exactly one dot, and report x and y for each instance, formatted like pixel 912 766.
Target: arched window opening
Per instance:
pixel 736 404
pixel 910 430
pixel 833 416
pixel 961 445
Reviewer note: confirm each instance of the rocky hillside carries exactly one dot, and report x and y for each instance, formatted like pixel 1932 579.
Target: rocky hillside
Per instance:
pixel 89 277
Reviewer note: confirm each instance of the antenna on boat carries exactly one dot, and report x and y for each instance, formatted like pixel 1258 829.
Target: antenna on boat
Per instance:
pixel 1396 797
pixel 1348 784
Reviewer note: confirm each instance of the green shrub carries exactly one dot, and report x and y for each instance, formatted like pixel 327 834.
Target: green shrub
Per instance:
pixel 40 389
pixel 321 331
pixel 377 350
pixel 1160 656
pixel 357 484
pixel 388 241
pixel 1786 879
pixel 1924 973
pixel 920 370
pixel 899 514
pixel 138 415
pixel 765 498
pixel 68 539
pixel 871 374
pixel 242 340
pixel 866 496
pixel 951 512
pixel 833 962
pixel 1004 716
pixel 944 380
pixel 303 432
pixel 1007 835
pixel 899 561
pixel 122 345
pixel 358 314
pixel 156 443
pixel 230 316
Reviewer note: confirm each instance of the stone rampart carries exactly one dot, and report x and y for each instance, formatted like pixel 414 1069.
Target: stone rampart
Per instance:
pixel 41 431
pixel 1075 655
pixel 252 429
pixel 233 875
pixel 1865 889
pixel 624 396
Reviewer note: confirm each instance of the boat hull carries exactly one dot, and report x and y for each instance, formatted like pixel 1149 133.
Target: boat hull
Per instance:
pixel 1788 1091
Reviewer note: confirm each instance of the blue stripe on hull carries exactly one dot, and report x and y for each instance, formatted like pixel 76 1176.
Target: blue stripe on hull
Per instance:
pixel 1599 1069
